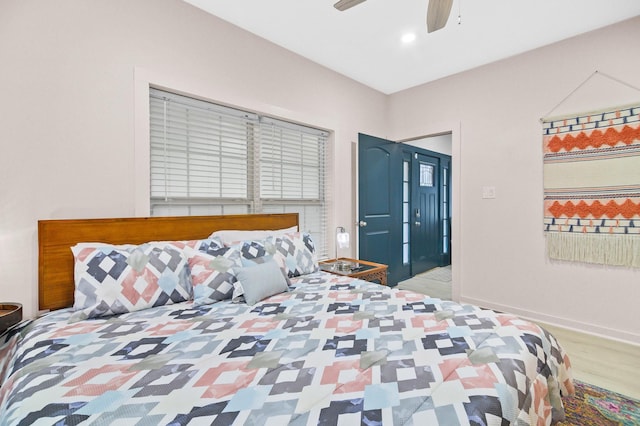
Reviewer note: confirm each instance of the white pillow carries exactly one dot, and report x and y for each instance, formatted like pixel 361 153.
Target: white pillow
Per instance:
pixel 231 236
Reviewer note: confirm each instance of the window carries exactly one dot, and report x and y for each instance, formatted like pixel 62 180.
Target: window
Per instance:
pixel 405 212
pixel 445 210
pixel 426 174
pixel 211 159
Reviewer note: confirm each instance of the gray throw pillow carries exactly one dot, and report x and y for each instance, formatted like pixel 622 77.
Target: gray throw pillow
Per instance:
pixel 261 281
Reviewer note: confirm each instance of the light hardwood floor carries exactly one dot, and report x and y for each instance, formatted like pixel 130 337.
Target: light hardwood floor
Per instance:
pixel 607 363
pixel 602 362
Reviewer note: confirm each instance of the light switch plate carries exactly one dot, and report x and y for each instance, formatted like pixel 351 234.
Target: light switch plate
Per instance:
pixel 488 192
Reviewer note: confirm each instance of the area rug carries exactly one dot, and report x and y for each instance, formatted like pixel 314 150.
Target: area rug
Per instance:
pixel 595 406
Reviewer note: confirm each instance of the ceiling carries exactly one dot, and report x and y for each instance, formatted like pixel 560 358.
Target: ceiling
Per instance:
pixel 364 42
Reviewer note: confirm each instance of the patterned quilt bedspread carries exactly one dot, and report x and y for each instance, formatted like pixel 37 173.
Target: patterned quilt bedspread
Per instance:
pixel 333 350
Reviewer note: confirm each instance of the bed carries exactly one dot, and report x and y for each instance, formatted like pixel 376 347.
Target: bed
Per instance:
pixel 326 349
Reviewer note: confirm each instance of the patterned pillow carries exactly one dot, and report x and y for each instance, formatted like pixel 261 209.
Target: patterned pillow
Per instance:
pixel 113 280
pixel 208 245
pixel 255 249
pixel 212 274
pixel 298 252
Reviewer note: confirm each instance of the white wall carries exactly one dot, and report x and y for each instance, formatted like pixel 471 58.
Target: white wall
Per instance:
pixel 437 143
pixel 71 113
pixel 497 107
pixel 72 134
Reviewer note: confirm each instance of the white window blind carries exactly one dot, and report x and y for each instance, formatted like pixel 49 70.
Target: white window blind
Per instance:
pixel 211 159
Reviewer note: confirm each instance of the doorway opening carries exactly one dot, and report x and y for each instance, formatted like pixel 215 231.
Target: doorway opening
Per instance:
pixel 405 204
pixel 431 274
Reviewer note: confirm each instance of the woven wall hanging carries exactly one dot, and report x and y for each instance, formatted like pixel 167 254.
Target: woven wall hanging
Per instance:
pixel 592 186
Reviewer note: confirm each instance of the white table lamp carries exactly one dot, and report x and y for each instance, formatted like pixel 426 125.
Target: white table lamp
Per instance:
pixel 342 239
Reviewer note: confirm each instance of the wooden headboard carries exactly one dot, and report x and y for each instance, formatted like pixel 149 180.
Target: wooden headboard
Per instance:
pixel 56 237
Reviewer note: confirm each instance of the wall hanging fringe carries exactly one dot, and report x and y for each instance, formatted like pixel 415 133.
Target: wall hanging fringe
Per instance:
pixel 616 250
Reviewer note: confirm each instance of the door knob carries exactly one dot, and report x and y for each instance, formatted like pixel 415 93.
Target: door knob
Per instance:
pixel 417 223
pixel 362 223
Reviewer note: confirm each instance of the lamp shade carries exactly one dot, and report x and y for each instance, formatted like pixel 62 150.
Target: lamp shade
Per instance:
pixel 342 238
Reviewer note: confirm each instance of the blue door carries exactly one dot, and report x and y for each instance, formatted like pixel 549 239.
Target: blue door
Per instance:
pixel 380 204
pixel 404 207
pixel 426 211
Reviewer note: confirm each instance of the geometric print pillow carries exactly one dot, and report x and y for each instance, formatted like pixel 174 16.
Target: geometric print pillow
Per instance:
pixel 298 253
pixel 113 280
pixel 208 245
pixel 254 249
pixel 212 274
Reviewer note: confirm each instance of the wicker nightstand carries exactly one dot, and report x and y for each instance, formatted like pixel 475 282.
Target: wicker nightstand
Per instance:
pixel 365 270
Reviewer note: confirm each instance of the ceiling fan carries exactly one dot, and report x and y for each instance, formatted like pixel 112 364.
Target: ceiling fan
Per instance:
pixel 438 11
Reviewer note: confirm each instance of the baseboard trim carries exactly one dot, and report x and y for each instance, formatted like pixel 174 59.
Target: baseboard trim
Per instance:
pixel 581 327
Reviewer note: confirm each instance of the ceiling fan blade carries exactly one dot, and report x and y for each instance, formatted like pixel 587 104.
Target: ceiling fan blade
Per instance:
pixel 437 14
pixel 343 5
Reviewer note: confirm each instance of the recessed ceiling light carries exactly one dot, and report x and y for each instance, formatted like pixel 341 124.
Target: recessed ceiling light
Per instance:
pixel 409 38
